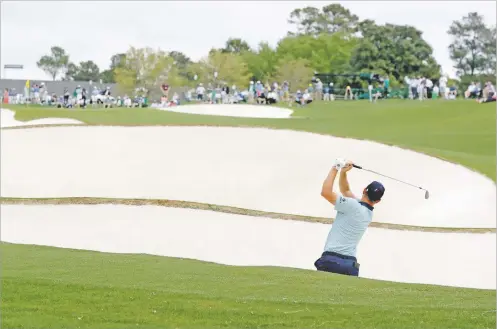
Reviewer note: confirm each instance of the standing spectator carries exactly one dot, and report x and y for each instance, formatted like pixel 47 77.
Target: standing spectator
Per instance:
pixel 370 92
pixel 421 87
pixel 5 98
pixel 78 95
pixel 83 97
pixel 165 90
pixel 251 91
pixel 348 92
pixel 94 96
pixel 200 92
pixel 319 89
pixel 332 91
pixel 66 96
pixel 259 89
pixel 36 93
pixel 386 86
pixel 225 91
pixel 286 91
pixel 435 92
pixel 12 96
pixel 43 92
pixel 414 83
pixel 428 89
pixel 443 86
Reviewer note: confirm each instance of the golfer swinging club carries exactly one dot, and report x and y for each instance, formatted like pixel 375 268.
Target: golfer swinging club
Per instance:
pixel 352 220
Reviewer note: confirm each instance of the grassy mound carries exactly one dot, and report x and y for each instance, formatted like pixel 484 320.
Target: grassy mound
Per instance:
pixel 59 288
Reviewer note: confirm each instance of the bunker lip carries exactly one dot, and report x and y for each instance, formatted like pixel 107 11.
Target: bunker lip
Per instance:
pixel 273 176
pixel 231 110
pixel 226 209
pixel 7 120
pixel 244 241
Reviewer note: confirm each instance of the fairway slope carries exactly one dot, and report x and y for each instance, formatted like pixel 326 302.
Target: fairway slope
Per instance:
pixel 232 110
pixel 7 120
pixel 253 168
pixel 243 240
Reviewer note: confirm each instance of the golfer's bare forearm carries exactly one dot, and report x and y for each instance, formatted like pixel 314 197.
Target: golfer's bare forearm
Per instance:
pixel 327 189
pixel 343 183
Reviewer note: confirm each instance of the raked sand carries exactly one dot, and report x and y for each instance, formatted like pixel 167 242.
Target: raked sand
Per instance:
pixel 464 260
pixel 7 120
pixel 232 110
pixel 261 169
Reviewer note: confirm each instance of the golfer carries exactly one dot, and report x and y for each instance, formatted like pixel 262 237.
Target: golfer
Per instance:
pixel 352 220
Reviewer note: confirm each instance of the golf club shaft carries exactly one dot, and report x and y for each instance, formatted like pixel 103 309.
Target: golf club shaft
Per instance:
pixel 377 173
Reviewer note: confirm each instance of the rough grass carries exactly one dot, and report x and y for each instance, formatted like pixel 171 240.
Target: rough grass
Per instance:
pixel 47 287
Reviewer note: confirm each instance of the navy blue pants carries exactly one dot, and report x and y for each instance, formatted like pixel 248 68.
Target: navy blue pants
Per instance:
pixel 336 263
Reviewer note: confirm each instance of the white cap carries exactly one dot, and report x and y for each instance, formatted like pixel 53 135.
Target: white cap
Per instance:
pixel 258 81
pixel 251 82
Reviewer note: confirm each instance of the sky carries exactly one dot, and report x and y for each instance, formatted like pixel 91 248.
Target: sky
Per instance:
pixel 95 30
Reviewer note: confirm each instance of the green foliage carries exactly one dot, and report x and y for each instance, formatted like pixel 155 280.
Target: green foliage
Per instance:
pixel 330 19
pixel 326 53
pixel 54 63
pixel 146 68
pixel 473 48
pixel 236 45
pixel 181 61
pixel 85 71
pixel 262 63
pixel 394 50
pixel 295 71
pixel 230 67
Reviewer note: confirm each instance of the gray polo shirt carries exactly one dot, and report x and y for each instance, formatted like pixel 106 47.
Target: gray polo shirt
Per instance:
pixel 352 220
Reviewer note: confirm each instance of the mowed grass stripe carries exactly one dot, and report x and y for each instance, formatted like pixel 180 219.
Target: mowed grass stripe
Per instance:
pixel 224 209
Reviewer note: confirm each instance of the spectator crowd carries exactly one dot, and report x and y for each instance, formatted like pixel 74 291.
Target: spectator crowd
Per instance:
pixel 256 92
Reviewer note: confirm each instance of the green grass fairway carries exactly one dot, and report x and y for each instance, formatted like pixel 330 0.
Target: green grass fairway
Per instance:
pixel 459 131
pixel 56 288
pixel 46 287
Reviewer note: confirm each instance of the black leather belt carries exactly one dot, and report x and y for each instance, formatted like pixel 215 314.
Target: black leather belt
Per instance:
pixel 331 253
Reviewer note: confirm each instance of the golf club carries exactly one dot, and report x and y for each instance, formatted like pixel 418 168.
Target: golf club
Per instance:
pixel 427 194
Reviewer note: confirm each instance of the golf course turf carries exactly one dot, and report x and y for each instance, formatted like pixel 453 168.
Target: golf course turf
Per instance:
pixel 58 288
pixel 44 287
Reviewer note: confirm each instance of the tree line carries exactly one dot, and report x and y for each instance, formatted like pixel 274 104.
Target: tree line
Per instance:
pixel 326 40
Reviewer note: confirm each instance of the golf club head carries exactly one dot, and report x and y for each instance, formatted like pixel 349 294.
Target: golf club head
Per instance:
pixel 427 195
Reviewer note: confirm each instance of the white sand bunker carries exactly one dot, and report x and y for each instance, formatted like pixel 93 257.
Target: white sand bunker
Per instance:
pixel 232 110
pixel 261 169
pixel 7 120
pixel 464 260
